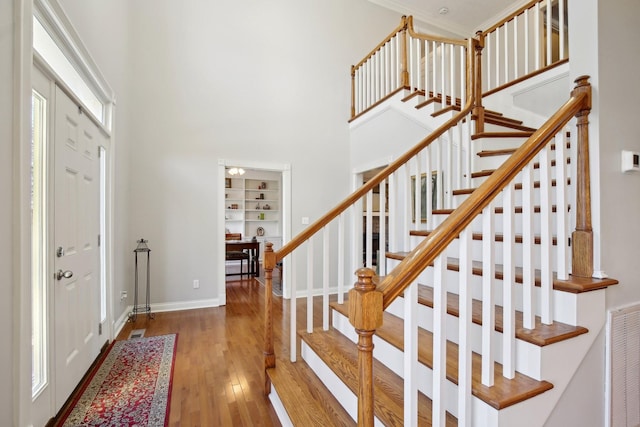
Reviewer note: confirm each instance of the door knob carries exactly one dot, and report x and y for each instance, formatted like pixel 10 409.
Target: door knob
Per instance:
pixel 64 274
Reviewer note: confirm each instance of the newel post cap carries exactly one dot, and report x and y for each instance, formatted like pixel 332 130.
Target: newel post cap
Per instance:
pixel 365 302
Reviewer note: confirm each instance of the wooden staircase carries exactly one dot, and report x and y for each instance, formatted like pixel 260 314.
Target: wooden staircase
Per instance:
pixel 485 304
pixel 330 356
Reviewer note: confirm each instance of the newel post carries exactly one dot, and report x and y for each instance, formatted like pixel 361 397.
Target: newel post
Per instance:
pixel 582 237
pixel 478 109
pixel 353 91
pixel 404 61
pixel 365 314
pixel 269 355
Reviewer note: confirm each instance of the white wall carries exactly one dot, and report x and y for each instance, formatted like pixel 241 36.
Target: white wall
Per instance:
pixel 619 67
pixel 199 80
pixel 612 33
pixel 7 287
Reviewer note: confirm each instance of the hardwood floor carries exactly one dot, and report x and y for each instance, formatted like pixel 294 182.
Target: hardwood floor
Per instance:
pixel 218 375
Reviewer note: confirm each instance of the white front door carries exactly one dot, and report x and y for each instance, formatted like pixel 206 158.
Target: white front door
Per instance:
pixel 76 293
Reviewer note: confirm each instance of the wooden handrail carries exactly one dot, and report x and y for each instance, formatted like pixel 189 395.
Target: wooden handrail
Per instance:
pixel 377 179
pixel 425 253
pixel 399 28
pixel 511 16
pixel 431 37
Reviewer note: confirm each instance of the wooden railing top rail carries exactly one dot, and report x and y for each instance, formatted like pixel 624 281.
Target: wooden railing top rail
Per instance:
pixel 430 37
pixel 425 253
pixel 401 27
pixel 508 18
pixel 378 178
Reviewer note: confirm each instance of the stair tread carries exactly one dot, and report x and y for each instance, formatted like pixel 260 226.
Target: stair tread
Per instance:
pixel 506 122
pixel 515 134
pixel 341 355
pixel 505 151
pixel 574 284
pixel 307 401
pixel 505 392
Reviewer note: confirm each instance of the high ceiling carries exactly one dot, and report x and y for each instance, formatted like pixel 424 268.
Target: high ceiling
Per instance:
pixel 453 17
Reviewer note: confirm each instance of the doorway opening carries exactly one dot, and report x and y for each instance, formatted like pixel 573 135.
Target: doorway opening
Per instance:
pixel 254 208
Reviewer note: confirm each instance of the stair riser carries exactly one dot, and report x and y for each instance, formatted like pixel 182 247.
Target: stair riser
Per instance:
pixel 482 144
pixel 476 182
pixel 564 308
pixel 517 197
pixel 343 394
pixel 528 356
pixel 476 224
pixel 476 252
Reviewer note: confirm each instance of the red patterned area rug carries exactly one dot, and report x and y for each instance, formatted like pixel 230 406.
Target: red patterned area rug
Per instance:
pixel 131 387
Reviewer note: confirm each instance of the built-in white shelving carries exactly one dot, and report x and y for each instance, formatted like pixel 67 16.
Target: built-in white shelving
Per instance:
pixel 253 208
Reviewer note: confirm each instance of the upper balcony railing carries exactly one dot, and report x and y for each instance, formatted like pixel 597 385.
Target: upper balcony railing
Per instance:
pixel 529 41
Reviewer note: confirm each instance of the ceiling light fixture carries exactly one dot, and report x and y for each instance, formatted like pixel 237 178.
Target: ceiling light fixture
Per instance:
pixel 236 171
pixel 443 10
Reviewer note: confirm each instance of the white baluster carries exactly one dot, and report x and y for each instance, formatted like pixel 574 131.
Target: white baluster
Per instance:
pixel 414 76
pixel 528 269
pixel 406 224
pixel 382 234
pixel 526 41
pixel 452 74
pixel 396 50
pixel 516 45
pixel 463 76
pixel 448 190
pixel 506 52
pixel 326 274
pixel 341 256
pixel 310 285
pixel 427 68
pixel 437 163
pixel 393 217
pixel 497 57
pixel 508 306
pixel 443 73
pixel 546 242
pixel 429 193
pixel 369 229
pixel 434 70
pixel 488 59
pixel 439 341
pixel 293 312
pixel 376 77
pixel 417 194
pixel 410 355
pixel 561 12
pixel 562 232
pixel 464 330
pixel 538 36
pixel 549 34
pixel 488 300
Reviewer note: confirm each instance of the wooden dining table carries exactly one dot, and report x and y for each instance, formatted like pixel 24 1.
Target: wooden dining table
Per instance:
pixel 253 246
